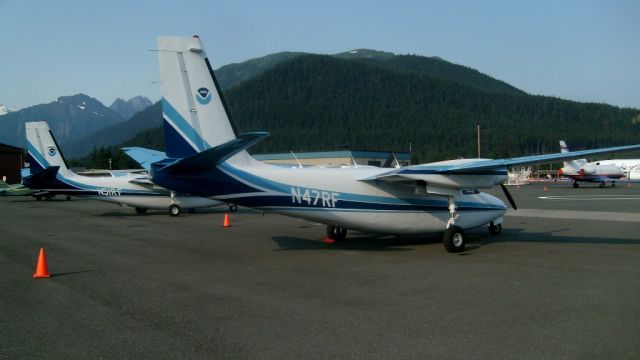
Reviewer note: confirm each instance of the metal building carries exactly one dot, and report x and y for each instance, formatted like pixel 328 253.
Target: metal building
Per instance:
pixel 338 158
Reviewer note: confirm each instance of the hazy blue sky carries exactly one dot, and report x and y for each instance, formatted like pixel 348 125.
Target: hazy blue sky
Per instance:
pixel 580 50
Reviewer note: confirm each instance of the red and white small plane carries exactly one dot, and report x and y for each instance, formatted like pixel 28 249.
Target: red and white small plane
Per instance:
pixel 580 170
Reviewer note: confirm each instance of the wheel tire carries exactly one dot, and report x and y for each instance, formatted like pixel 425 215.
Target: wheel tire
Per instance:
pixel 602 184
pixel 233 207
pixel 336 233
pixel 38 198
pixel 174 210
pixel 453 239
pixel 576 185
pixel 495 229
pixel 141 210
pixel 68 198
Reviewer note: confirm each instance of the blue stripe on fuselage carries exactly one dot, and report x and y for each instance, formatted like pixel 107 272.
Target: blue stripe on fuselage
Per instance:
pixel 192 135
pixel 241 187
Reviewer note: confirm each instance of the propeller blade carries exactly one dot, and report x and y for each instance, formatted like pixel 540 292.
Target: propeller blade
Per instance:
pixel 508 195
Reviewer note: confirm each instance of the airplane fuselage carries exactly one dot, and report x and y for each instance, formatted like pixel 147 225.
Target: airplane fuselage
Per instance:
pixel 339 196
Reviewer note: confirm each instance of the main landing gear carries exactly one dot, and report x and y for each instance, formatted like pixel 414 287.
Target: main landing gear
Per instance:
pixel 453 239
pixel 174 210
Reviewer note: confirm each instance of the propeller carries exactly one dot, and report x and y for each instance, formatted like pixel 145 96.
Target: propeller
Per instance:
pixel 508 195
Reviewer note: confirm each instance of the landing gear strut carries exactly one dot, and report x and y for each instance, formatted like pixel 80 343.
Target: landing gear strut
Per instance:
pixel 336 233
pixel 453 211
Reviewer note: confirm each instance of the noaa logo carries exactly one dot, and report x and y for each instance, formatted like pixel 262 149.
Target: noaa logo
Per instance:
pixel 203 95
pixel 52 151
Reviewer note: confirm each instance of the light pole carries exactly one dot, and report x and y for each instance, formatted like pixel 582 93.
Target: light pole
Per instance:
pixel 478 127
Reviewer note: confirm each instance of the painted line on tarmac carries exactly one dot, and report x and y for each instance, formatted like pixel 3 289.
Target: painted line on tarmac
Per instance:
pixel 575 215
pixel 590 197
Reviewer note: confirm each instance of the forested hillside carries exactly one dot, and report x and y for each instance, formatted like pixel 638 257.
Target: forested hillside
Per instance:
pixel 320 102
pixel 316 102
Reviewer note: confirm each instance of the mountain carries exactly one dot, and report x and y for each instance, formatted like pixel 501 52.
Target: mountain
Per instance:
pixel 148 118
pixel 128 108
pixel 440 69
pixel 233 74
pixel 320 102
pixel 4 110
pixel 69 117
pixel 317 102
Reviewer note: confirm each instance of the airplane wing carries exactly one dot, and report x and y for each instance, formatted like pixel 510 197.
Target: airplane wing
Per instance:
pixel 491 167
pixel 144 157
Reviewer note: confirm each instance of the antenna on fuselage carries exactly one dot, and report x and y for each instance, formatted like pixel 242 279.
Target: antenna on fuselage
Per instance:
pixel 295 157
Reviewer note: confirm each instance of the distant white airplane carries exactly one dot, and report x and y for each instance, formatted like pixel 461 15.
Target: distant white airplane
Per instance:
pixel 582 171
pixel 429 198
pixel 630 167
pixel 49 172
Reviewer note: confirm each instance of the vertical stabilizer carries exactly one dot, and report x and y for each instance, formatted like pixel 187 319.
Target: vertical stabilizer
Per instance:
pixel 195 115
pixel 43 149
pixel 576 164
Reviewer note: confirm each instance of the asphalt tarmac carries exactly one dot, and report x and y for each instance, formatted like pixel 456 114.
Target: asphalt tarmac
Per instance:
pixel 561 281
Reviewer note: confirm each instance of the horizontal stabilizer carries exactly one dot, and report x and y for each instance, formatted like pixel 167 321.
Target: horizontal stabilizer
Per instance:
pixel 210 158
pixel 47 174
pixel 144 157
pixel 41 179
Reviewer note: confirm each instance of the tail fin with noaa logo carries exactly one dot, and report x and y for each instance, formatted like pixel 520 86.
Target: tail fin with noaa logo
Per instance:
pixel 194 112
pixel 43 149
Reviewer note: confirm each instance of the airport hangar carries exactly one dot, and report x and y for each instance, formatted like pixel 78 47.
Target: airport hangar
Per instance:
pixel 11 162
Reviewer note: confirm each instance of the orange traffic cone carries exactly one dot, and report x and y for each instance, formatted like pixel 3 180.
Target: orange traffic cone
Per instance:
pixel 41 268
pixel 328 240
pixel 226 222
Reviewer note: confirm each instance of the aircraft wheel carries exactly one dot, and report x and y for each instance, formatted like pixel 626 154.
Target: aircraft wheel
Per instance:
pixel 68 198
pixel 174 210
pixel 576 185
pixel 602 184
pixel 613 184
pixel 38 198
pixel 233 207
pixel 495 229
pixel 336 233
pixel 141 210
pixel 453 239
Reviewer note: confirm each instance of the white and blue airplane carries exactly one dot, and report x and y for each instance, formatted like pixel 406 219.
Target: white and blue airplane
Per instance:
pixel 49 172
pixel 442 197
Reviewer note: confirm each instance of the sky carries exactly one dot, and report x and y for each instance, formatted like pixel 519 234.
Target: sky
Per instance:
pixel 581 50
